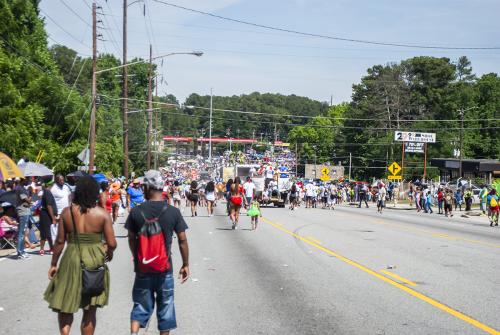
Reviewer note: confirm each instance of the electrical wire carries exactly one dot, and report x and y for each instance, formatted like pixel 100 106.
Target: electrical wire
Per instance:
pixel 76 14
pixel 64 30
pixel 344 39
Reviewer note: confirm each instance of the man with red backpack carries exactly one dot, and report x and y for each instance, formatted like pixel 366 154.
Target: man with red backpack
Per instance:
pixel 150 229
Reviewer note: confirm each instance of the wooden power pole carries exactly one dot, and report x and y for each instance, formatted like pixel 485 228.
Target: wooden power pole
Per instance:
pixel 125 94
pixel 94 90
pixel 150 108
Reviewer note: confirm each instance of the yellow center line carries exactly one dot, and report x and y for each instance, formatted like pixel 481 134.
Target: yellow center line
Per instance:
pixel 401 279
pixel 313 239
pixel 402 287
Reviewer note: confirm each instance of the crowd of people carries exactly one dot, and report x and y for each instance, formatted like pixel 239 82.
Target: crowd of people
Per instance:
pixel 78 218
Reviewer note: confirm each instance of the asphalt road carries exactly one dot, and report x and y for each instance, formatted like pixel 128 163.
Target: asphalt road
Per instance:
pixel 347 271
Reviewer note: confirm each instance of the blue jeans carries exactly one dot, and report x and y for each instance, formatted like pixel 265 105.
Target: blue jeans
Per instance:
pixel 149 288
pixel 428 208
pixel 23 224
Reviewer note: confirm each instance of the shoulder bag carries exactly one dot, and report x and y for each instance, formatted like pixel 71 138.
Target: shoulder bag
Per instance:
pixel 92 279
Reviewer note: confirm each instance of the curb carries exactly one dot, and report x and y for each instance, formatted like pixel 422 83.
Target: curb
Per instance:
pixel 401 209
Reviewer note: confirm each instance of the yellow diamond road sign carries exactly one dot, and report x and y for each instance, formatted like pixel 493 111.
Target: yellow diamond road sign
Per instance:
pixel 325 171
pixel 394 168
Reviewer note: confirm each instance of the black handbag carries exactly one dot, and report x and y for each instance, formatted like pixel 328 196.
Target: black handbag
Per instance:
pixel 92 279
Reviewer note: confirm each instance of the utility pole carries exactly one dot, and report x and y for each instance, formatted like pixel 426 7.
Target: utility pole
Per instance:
pixel 125 94
pixel 150 108
pixel 210 127
pixel 156 146
pixel 462 112
pixel 94 90
pixel 350 165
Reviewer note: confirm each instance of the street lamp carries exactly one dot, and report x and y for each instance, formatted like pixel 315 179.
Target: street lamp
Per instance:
pixel 194 53
pixel 125 65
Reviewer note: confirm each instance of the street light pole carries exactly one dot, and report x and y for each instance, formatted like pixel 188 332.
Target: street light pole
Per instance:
pixel 150 108
pixel 125 93
pixel 462 112
pixel 210 127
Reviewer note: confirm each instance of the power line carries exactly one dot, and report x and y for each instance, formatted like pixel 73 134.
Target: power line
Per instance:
pixel 64 30
pixel 332 118
pixel 344 39
pixel 298 124
pixel 72 11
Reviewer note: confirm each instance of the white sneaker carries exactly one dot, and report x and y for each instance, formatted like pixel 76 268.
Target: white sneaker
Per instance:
pixel 24 256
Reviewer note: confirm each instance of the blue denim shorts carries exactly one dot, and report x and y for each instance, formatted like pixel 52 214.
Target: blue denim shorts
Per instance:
pixel 149 288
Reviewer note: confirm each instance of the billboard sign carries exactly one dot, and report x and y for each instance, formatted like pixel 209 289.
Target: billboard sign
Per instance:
pixel 411 136
pixel 414 147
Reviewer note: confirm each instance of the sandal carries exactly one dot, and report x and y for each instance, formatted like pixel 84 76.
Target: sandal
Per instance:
pixel 41 252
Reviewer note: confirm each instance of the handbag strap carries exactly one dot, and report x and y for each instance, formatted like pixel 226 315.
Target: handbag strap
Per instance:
pixel 75 233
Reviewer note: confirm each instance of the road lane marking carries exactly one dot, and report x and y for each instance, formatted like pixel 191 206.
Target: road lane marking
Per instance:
pixel 401 279
pixel 313 239
pixel 438 235
pixel 392 282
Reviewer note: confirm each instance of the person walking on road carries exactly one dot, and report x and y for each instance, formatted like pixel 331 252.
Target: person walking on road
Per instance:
pixel 48 214
pixel 468 199
pixel 150 230
pixel 116 201
pixel 23 210
pixel 448 202
pixel 105 197
pixel 494 208
pixel 249 188
pixel 62 195
pixel 228 195
pixel 363 194
pixel 458 199
pixel 210 197
pixel 440 198
pixel 194 197
pixel 428 203
pixel 135 193
pixel 294 194
pixel 381 194
pixel 309 194
pixel 482 198
pixel 418 196
pixel 83 225
pixel 254 213
pixel 236 201
pixel 176 194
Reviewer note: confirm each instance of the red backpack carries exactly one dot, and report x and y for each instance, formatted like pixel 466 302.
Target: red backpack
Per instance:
pixel 152 254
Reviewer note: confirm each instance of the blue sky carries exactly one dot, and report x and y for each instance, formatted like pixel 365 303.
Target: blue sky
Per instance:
pixel 241 59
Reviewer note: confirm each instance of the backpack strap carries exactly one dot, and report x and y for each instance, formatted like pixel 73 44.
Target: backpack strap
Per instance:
pixel 156 218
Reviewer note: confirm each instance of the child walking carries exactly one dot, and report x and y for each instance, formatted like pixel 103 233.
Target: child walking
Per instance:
pixel 254 213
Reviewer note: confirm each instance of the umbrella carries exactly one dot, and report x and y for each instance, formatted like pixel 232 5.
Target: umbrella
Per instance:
pixel 31 169
pixel 9 196
pixel 99 177
pixel 78 174
pixel 8 169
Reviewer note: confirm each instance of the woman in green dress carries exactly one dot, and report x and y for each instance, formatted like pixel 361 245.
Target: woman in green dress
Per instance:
pixel 93 224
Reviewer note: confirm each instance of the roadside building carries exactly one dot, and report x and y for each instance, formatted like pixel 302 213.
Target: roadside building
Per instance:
pixel 473 169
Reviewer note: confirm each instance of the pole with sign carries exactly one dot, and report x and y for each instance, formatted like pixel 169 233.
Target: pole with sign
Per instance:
pixel 414 142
